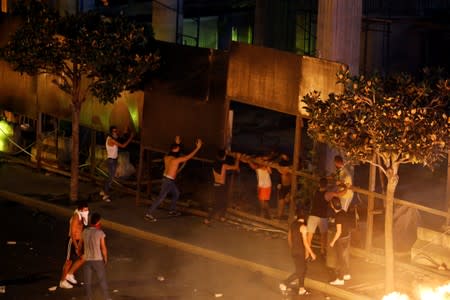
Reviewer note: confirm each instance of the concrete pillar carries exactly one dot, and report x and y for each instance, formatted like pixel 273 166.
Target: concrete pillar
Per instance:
pixel 338 39
pixel 260 23
pixel 167 20
pixel 339 30
pixel 275 24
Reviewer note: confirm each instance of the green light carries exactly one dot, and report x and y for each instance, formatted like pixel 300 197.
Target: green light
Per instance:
pixel 250 35
pixel 133 109
pixel 234 34
pixel 6 131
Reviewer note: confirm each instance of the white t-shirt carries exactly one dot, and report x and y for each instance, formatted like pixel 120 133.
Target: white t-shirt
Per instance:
pixel 263 178
pixel 111 151
pixel 345 177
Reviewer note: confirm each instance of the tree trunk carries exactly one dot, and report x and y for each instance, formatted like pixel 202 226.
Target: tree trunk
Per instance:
pixel 392 181
pixel 295 167
pixel 75 152
pixel 371 204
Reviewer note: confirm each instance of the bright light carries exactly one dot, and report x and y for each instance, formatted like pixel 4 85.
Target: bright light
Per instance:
pixel 439 293
pixel 395 296
pixel 6 132
pixel 425 293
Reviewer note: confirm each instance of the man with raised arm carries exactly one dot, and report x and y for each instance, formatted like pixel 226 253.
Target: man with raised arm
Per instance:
pixel 172 162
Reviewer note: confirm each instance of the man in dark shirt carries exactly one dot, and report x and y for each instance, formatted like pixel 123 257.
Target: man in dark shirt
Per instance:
pixel 319 215
pixel 300 251
pixel 219 172
pixel 341 242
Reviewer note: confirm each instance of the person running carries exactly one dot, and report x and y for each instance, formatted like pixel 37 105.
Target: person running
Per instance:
pixel 219 171
pixel 301 251
pixel 341 242
pixel 96 256
pixel 74 250
pixel 172 162
pixel 112 151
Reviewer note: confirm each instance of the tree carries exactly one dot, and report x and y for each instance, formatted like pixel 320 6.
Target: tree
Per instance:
pixel 397 118
pixel 85 53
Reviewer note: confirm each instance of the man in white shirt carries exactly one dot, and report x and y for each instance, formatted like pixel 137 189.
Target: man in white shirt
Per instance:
pixel 112 150
pixel 344 180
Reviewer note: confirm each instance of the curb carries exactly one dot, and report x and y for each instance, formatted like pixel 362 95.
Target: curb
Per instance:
pixel 214 255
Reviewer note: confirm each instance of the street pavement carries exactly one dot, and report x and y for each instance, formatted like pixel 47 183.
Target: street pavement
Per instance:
pixel 223 243
pixel 33 253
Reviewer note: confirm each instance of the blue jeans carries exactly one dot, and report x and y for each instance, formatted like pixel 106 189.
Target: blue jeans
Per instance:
pixel 98 266
pixel 112 167
pixel 168 186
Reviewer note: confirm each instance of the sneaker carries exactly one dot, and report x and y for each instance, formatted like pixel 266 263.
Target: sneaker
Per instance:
pixel 347 277
pixel 150 218
pixel 174 213
pixel 283 287
pixel 303 292
pixel 106 198
pixel 64 284
pixel 71 279
pixel 337 282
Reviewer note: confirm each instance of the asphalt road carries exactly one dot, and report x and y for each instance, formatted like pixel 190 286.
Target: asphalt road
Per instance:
pixel 137 269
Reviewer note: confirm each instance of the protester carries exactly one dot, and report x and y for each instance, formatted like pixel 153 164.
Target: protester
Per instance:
pixel 341 242
pixel 284 188
pixel 74 250
pixel 172 163
pixel 301 251
pixel 318 216
pixel 264 186
pixel 344 180
pixel 112 151
pixel 219 171
pixel 96 256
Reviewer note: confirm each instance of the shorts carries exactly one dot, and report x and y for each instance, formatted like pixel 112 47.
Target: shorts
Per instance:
pixel 314 221
pixel 264 193
pixel 284 191
pixel 71 251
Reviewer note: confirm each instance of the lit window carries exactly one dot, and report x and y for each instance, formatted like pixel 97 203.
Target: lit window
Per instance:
pixel 4 6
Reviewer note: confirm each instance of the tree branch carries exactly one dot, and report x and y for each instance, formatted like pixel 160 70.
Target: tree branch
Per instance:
pixel 376 165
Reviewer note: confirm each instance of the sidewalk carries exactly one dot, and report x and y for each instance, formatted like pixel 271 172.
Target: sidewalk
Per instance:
pixel 222 241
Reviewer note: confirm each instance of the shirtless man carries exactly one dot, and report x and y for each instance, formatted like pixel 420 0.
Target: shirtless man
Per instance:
pixel 74 250
pixel 219 170
pixel 284 188
pixel 172 162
